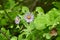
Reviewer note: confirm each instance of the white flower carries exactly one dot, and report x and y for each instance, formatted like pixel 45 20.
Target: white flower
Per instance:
pixel 29 17
pixel 17 20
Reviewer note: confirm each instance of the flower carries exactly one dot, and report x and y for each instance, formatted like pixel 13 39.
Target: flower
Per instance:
pixel 29 17
pixel 17 20
pixel 53 32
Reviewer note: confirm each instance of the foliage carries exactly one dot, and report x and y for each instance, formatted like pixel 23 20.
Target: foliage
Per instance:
pixel 44 26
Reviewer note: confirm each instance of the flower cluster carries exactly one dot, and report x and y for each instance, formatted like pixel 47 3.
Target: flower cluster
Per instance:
pixel 28 17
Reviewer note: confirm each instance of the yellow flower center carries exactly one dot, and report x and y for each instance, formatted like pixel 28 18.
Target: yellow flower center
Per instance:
pixel 28 17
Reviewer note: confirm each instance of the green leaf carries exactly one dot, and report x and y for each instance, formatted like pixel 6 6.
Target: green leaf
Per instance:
pixel 58 38
pixel 14 38
pixel 41 21
pixel 25 9
pixel 6 32
pixel 3 29
pixel 17 8
pixel 39 9
pixel 2 11
pixel 11 26
pixel 48 36
pixel 21 0
pixel 12 15
pixel 10 4
pixel 56 4
pixel 53 16
pixel 3 22
pixel 2 37
pixel 20 37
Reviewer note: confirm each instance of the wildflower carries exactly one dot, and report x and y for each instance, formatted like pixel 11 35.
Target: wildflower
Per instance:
pixel 53 32
pixel 29 17
pixel 17 20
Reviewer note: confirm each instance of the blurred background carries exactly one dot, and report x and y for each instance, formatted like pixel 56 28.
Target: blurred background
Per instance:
pixel 31 4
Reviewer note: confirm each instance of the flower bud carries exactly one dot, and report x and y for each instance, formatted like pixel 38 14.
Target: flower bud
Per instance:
pixel 17 20
pixel 53 32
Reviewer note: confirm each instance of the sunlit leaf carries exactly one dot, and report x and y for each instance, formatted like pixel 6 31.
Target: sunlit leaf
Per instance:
pixel 14 38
